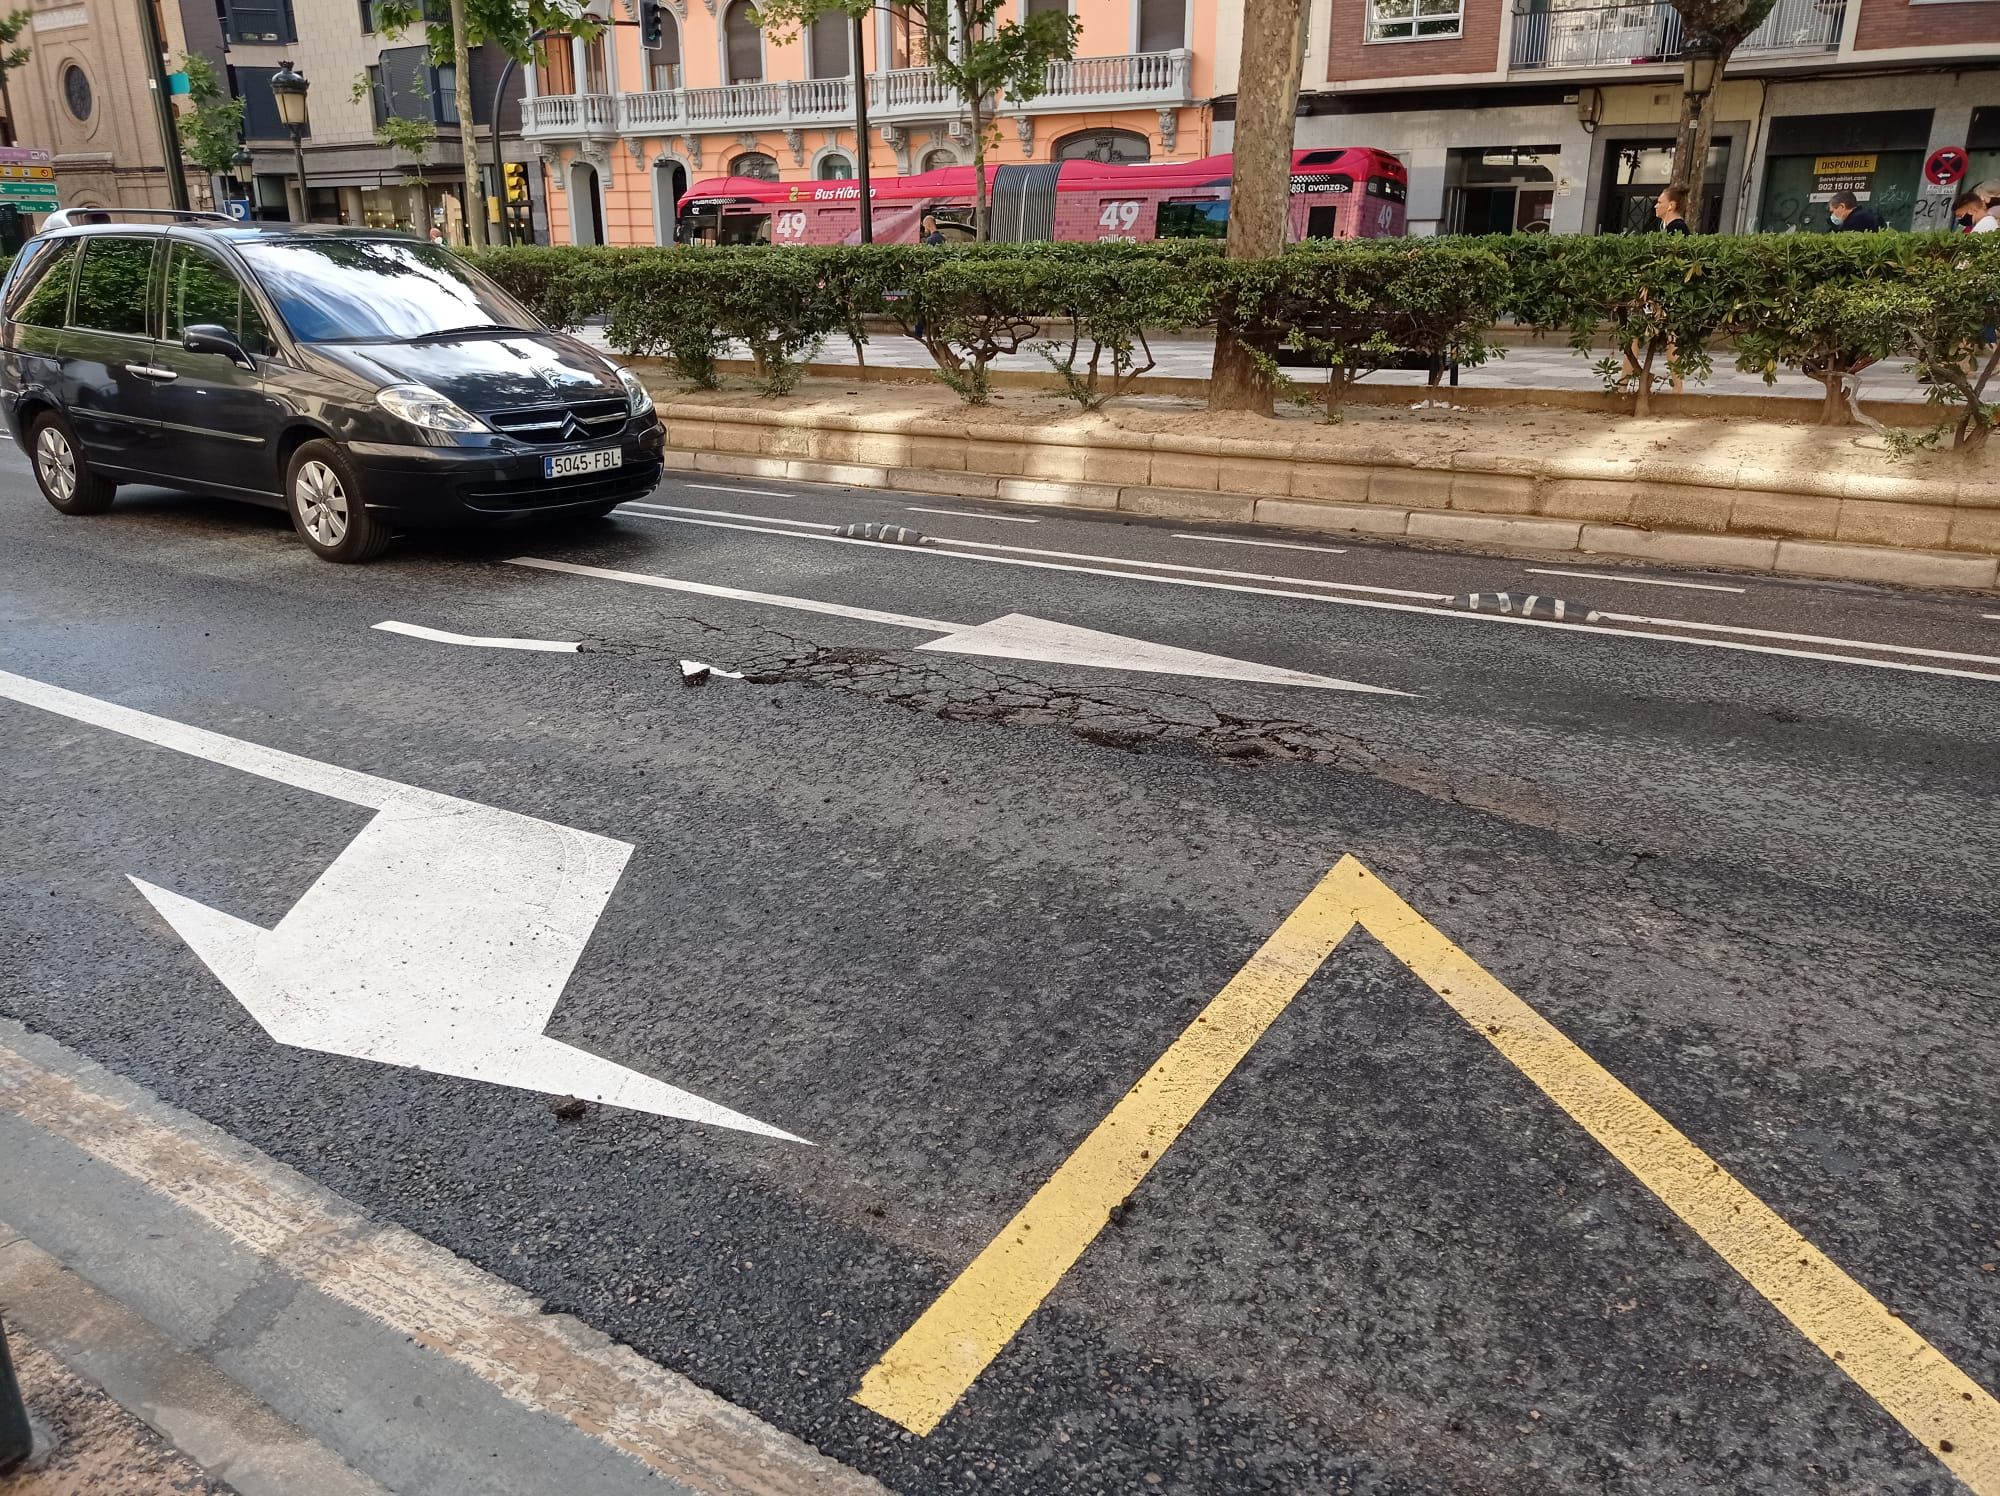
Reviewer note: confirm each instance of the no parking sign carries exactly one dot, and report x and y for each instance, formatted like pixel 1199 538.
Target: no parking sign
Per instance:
pixel 1946 165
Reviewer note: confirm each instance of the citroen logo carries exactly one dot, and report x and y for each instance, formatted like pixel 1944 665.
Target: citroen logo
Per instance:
pixel 572 429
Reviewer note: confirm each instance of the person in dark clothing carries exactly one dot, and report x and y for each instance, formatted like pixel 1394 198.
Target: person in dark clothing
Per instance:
pixel 1966 210
pixel 928 231
pixel 1670 207
pixel 1850 214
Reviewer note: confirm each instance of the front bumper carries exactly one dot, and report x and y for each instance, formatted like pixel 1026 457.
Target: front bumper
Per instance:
pixel 503 480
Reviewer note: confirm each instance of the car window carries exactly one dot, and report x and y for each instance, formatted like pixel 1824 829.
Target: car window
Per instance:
pixel 112 288
pixel 200 288
pixel 377 290
pixel 40 298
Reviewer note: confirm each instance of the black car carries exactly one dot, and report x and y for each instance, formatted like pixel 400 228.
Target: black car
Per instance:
pixel 367 382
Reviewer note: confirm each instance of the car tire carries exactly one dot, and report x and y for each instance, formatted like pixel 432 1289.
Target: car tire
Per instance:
pixel 323 496
pixel 60 471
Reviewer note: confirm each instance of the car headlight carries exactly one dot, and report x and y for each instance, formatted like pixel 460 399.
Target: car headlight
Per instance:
pixel 638 399
pixel 423 406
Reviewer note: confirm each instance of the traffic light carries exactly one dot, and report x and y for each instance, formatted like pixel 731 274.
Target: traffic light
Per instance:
pixel 652 26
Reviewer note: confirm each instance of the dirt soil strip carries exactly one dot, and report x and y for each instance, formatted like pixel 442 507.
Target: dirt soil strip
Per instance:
pixel 547 1363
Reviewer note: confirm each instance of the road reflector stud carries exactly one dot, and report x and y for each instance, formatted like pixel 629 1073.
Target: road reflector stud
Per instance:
pixel 921 1377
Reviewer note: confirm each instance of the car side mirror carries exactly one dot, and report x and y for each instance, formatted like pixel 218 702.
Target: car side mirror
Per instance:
pixel 209 337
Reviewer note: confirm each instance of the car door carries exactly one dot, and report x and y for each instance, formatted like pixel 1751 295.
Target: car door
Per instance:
pixel 216 421
pixel 108 374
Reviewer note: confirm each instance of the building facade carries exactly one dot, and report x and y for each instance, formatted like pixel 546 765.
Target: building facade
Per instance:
pixel 622 130
pixel 1561 115
pixel 361 78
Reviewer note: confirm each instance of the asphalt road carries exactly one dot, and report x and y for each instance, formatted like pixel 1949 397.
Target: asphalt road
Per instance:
pixel 936 913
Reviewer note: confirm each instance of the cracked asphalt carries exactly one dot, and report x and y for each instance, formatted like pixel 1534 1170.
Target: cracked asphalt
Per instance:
pixel 936 913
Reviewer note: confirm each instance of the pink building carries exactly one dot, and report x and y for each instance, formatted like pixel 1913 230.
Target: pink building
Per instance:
pixel 622 129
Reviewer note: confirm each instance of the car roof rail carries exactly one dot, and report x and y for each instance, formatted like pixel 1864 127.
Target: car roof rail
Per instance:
pixel 69 218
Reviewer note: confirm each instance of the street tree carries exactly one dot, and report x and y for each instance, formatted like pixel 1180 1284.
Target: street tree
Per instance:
pixel 1722 25
pixel 975 51
pixel 453 31
pixel 211 128
pixel 12 56
pixel 1260 183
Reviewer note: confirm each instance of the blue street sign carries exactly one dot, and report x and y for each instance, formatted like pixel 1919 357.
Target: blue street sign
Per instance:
pixel 238 208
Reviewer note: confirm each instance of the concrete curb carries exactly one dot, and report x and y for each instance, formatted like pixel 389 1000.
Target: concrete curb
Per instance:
pixel 1858 527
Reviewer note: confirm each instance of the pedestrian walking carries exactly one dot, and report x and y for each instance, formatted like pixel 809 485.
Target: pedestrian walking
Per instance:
pixel 1670 208
pixel 1850 215
pixel 928 230
pixel 1989 221
pixel 1966 210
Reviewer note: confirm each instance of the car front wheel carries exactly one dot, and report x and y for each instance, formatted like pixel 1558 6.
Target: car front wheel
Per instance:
pixel 325 502
pixel 66 482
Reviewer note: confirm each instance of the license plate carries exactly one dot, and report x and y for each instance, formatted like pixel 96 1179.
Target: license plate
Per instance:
pixel 569 464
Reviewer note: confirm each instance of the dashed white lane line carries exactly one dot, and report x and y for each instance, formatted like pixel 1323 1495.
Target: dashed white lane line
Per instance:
pixel 660 511
pixel 1613 576
pixel 1994 616
pixel 762 493
pixel 1731 628
pixel 1004 519
pixel 477 641
pixel 1381 604
pixel 1272 545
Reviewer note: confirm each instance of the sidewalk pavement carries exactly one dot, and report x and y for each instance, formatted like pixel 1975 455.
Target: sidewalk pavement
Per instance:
pixel 1535 366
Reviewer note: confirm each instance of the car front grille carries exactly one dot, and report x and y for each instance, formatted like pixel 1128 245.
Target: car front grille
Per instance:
pixel 551 425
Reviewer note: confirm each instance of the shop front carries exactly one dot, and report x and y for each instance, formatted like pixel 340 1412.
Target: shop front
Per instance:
pixel 1879 157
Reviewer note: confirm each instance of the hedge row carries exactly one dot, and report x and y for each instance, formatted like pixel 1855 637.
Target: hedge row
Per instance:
pixel 1826 305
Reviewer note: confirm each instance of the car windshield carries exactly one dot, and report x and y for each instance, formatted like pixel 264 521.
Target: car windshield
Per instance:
pixel 378 290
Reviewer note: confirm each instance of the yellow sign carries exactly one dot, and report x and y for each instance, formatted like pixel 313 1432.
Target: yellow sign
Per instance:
pixel 27 173
pixel 1843 166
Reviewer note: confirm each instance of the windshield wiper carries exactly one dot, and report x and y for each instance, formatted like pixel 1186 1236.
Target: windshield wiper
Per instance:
pixel 452 332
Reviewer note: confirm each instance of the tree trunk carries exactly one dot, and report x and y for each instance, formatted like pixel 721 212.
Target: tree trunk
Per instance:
pixel 1260 183
pixel 1691 141
pixel 468 137
pixel 978 171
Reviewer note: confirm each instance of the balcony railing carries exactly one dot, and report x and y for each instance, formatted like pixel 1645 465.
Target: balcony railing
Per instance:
pixel 1560 36
pixel 1158 78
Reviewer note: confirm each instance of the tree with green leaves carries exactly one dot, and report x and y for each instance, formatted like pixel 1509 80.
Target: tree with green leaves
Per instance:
pixel 975 52
pixel 453 31
pixel 12 56
pixel 212 128
pixel 1725 25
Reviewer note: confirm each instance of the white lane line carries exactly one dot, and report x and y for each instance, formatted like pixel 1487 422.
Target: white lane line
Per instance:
pixel 1317 597
pixel 738 594
pixel 762 493
pixel 1730 628
pixel 939 542
pixel 1003 519
pixel 1612 576
pixel 478 641
pixel 1993 616
pixel 1274 545
pixel 769 519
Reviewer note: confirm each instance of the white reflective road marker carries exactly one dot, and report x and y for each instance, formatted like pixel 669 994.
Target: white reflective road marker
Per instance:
pixel 477 641
pixel 1013 637
pixel 440 940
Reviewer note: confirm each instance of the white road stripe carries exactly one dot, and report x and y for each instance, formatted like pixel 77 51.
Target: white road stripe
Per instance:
pixel 1275 545
pixel 1730 628
pixel 738 594
pixel 1993 616
pixel 939 542
pixel 661 510
pixel 480 641
pixel 1005 519
pixel 762 493
pixel 1613 576
pixel 1317 597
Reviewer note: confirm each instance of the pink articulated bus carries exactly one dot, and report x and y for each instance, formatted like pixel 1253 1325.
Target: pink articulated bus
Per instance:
pixel 1336 194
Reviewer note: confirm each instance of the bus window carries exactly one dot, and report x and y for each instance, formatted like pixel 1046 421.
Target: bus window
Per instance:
pixel 1321 222
pixel 745 226
pixel 1193 218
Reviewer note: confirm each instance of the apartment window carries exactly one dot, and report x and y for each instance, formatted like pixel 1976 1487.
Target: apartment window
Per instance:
pixel 835 169
pixel 259 21
pixel 828 46
pixel 755 164
pixel 555 69
pixel 908 37
pixel 666 58
pixel 1036 7
pixel 1113 147
pixel 1414 20
pixel 743 42
pixel 367 17
pixel 1162 25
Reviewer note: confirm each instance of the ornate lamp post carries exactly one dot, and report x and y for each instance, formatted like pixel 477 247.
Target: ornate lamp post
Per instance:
pixel 288 87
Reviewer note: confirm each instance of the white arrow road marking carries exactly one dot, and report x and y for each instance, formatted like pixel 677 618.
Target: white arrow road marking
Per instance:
pixel 477 641
pixel 1013 637
pixel 440 940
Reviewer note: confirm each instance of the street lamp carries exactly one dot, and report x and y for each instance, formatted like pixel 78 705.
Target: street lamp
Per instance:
pixel 288 87
pixel 1701 60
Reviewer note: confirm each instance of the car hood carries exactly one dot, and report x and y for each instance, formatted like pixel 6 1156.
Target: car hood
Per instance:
pixel 487 371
